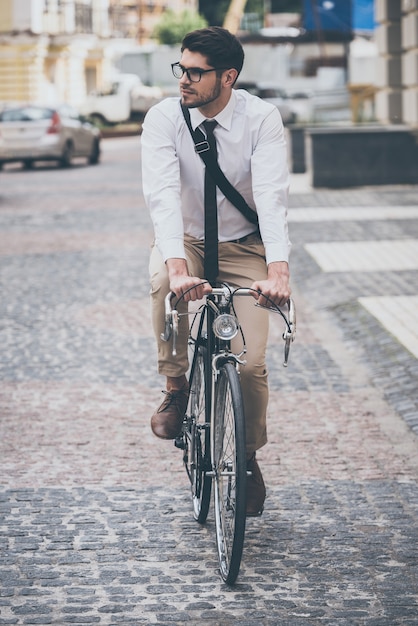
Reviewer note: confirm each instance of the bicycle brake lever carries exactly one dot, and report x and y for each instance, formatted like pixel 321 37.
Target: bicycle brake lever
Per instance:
pixel 286 352
pixel 165 336
pixel 171 329
pixel 289 334
pixel 175 327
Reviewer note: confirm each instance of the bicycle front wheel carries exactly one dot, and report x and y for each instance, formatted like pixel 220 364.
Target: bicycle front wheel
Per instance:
pixel 199 438
pixel 230 472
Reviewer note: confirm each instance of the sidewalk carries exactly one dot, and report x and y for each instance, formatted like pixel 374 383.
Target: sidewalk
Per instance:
pixel 96 523
pixel 366 247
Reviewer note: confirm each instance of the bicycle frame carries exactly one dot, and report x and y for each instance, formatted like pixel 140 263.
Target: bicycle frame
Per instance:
pixel 219 302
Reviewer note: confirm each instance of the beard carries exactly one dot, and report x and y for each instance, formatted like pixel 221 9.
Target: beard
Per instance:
pixel 192 100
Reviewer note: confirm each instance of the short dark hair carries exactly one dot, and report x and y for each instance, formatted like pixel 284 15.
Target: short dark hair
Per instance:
pixel 218 45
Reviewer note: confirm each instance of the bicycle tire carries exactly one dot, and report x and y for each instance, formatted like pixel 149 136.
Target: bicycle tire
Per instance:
pixel 230 472
pixel 198 438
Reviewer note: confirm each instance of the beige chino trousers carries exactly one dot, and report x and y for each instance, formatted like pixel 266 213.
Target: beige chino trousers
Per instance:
pixel 240 264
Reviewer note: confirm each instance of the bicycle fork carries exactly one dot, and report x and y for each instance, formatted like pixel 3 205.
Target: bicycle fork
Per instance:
pixel 228 470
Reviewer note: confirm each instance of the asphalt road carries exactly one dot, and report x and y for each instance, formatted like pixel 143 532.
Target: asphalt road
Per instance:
pixel 96 524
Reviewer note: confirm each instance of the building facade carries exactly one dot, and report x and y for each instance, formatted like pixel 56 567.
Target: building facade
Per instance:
pixel 59 50
pixel 397 76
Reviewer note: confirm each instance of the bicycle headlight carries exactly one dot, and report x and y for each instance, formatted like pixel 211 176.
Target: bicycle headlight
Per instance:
pixel 225 326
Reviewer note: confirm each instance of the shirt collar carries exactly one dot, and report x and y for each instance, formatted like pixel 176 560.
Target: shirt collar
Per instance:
pixel 224 118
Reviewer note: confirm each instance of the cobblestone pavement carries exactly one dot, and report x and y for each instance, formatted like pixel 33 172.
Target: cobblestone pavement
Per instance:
pixel 96 524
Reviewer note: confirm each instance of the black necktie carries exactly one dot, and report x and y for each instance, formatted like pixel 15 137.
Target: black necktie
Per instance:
pixel 211 212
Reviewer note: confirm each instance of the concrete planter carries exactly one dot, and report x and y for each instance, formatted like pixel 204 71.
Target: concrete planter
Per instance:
pixel 363 155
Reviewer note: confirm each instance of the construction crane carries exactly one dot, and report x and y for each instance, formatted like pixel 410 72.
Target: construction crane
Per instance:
pixel 234 15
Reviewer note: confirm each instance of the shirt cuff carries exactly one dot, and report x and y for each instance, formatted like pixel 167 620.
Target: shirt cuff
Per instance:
pixel 171 249
pixel 277 252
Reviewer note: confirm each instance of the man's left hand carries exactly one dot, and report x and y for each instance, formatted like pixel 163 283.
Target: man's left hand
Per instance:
pixel 276 288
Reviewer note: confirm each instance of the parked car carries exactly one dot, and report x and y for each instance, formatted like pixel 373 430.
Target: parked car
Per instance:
pixel 275 95
pixel 30 133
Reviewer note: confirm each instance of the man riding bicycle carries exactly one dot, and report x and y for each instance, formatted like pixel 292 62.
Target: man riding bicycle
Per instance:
pixel 251 152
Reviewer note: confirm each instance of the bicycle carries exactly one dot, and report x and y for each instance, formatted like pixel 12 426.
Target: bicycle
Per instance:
pixel 213 433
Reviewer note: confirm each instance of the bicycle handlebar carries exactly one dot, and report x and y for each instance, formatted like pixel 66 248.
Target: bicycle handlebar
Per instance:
pixel 171 315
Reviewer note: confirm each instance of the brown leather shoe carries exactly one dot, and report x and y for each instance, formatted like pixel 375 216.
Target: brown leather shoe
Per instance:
pixel 256 489
pixel 167 420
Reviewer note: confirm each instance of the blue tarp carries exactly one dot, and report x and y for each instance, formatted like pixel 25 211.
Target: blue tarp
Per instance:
pixel 341 16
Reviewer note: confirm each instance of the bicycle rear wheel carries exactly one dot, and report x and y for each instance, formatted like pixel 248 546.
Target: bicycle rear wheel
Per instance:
pixel 230 472
pixel 198 439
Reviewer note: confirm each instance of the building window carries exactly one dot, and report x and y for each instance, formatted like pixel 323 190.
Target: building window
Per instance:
pixel 83 18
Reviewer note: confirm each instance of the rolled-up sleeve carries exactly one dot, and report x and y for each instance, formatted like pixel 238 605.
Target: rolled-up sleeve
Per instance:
pixel 161 182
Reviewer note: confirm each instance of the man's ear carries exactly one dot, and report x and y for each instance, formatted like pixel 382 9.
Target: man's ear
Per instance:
pixel 230 76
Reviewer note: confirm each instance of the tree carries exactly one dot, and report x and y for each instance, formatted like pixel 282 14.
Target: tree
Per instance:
pixel 173 26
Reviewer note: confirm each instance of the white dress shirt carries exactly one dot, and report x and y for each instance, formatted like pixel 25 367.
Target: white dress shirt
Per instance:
pixel 252 155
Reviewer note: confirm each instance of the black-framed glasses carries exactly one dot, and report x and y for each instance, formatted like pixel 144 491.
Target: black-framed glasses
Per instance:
pixel 194 74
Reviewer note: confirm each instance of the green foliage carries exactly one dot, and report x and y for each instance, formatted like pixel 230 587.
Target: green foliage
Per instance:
pixel 173 26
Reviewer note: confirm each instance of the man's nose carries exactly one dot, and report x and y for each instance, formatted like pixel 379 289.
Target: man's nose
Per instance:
pixel 185 78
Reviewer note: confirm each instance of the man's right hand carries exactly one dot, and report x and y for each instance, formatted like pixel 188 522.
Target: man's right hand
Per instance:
pixel 181 282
